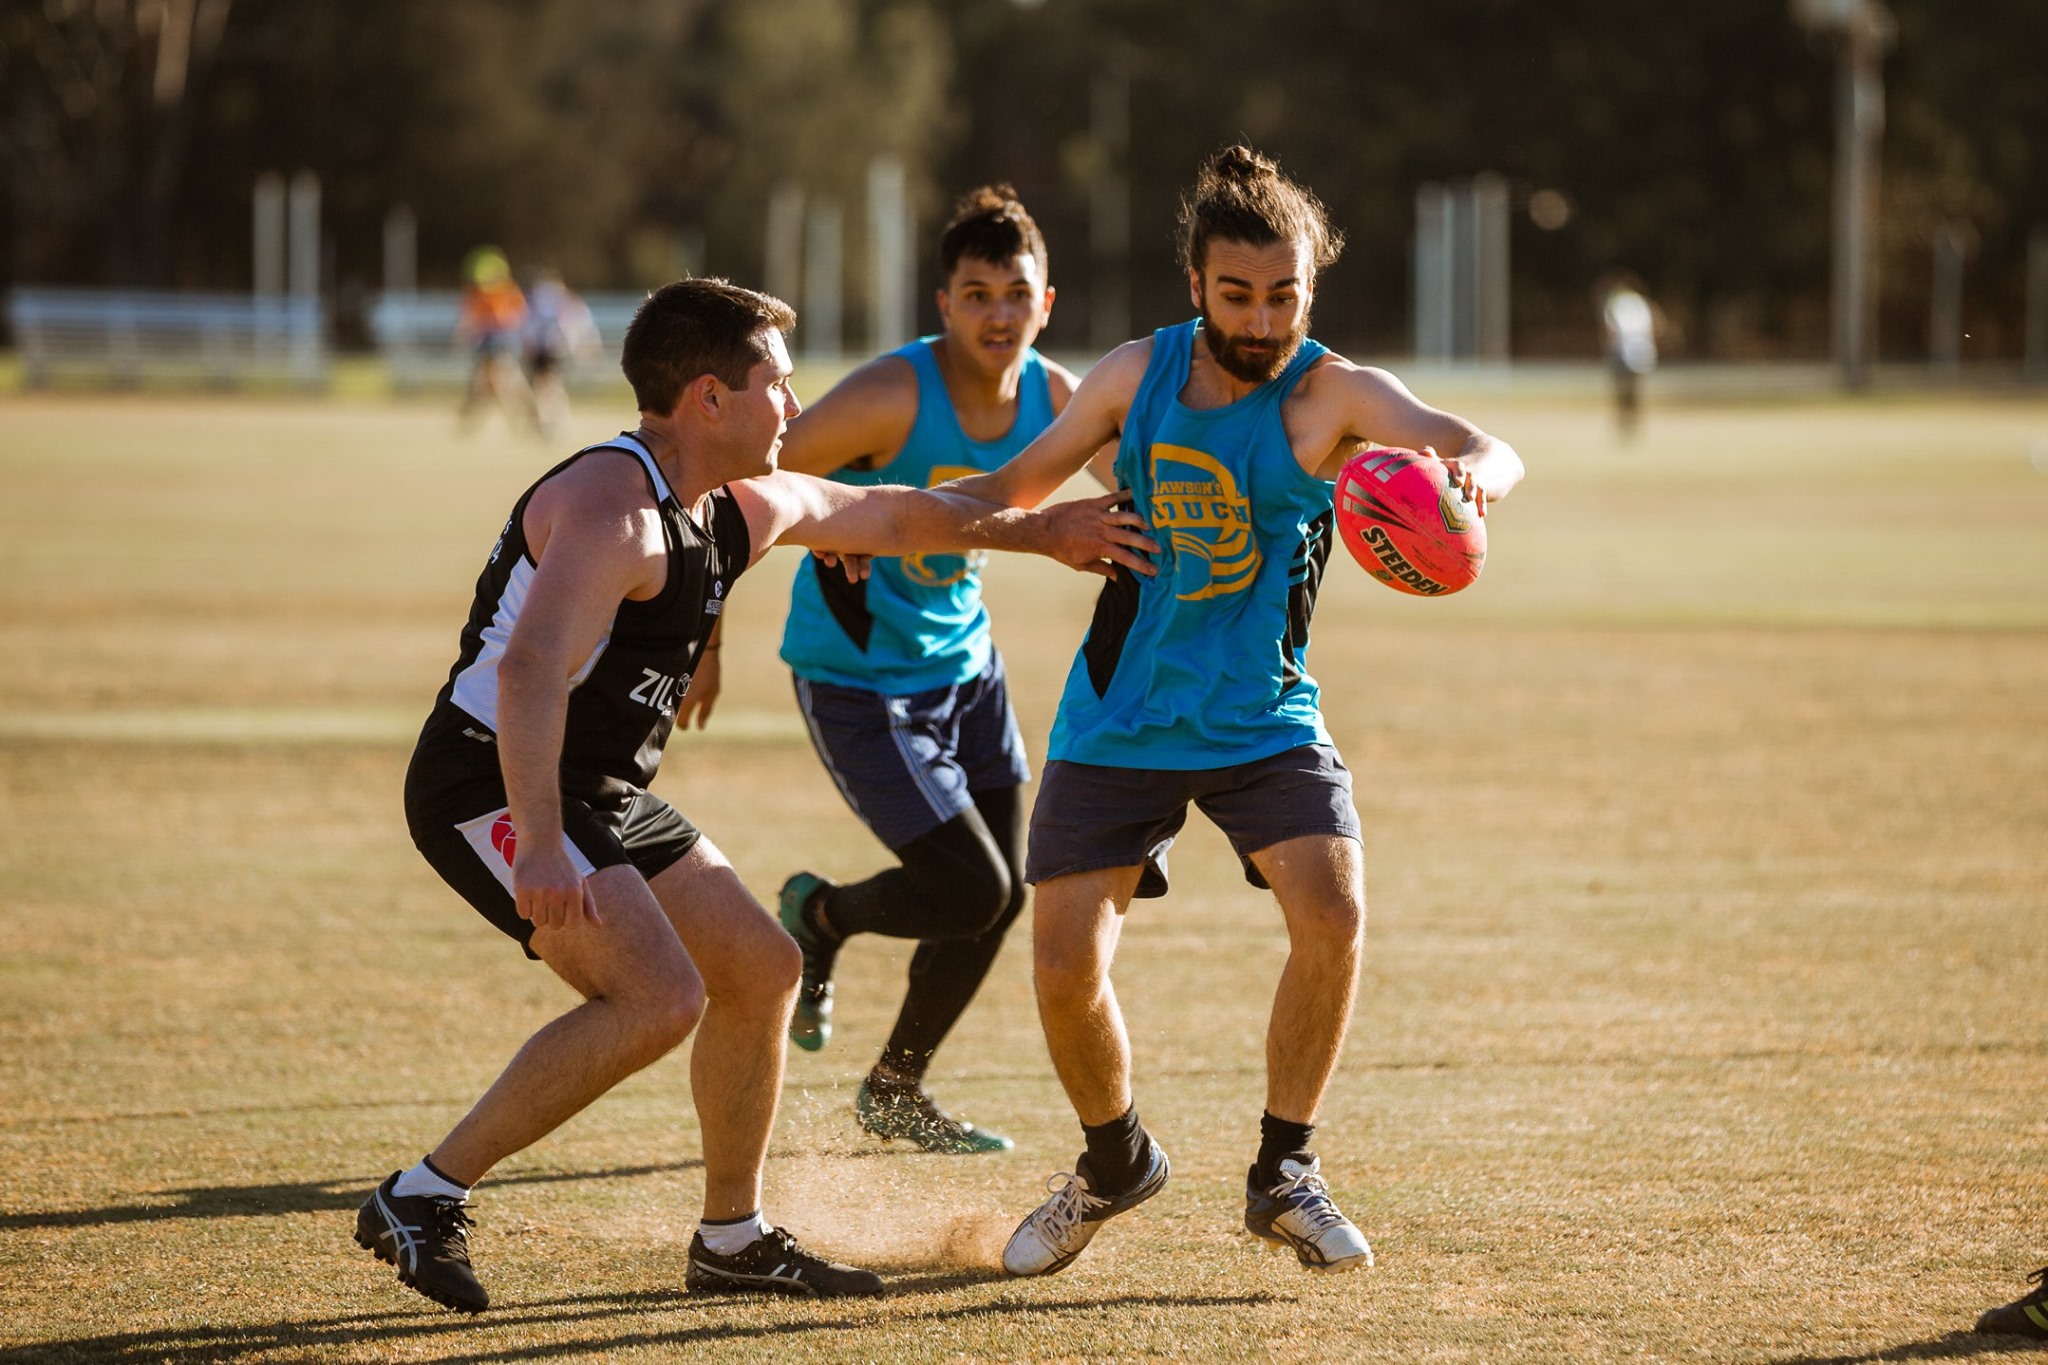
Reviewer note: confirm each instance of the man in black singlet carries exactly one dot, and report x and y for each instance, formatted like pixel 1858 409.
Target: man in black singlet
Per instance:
pixel 528 790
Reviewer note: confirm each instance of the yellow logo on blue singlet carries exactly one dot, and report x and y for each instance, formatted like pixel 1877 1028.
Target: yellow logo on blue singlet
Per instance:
pixel 1196 502
pixel 942 570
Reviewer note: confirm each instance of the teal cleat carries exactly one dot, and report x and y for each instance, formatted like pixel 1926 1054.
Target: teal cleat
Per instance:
pixel 810 1027
pixel 909 1113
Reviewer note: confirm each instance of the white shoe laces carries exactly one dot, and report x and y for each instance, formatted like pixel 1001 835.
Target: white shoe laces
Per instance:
pixel 1309 1196
pixel 1068 1207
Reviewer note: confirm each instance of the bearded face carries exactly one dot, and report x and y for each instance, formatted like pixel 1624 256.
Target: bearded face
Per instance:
pixel 1249 359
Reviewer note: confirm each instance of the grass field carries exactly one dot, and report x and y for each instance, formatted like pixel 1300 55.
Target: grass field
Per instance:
pixel 1706 1015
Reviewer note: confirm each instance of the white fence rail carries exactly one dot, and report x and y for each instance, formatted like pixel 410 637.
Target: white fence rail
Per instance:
pixel 130 336
pixel 415 333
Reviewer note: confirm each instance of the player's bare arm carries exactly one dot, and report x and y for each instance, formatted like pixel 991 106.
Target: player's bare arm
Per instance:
pixel 1090 534
pixel 1339 406
pixel 1060 383
pixel 864 420
pixel 1092 418
pixel 597 539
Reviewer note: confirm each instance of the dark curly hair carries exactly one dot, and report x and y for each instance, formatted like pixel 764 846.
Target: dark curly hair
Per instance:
pixel 1241 196
pixel 990 224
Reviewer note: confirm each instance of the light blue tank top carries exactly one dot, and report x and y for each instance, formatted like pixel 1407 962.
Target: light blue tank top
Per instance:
pixel 918 621
pixel 1203 665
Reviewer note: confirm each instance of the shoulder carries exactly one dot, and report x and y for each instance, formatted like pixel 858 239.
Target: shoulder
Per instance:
pixel 601 487
pixel 866 415
pixel 1332 378
pixel 886 379
pixel 1123 368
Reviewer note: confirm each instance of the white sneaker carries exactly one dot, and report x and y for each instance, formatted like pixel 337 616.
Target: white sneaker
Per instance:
pixel 1298 1212
pixel 1060 1229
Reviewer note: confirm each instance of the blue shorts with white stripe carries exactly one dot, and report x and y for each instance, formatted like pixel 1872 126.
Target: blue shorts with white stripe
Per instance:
pixel 909 764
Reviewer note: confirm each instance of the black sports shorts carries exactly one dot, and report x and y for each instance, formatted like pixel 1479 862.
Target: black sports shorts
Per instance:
pixel 464 830
pixel 1089 817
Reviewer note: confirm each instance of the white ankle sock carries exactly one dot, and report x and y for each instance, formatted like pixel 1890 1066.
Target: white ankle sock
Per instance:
pixel 735 1236
pixel 425 1180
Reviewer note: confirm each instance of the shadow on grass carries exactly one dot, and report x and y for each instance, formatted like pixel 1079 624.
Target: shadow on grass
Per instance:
pixel 262 1201
pixel 1951 1346
pixel 470 1340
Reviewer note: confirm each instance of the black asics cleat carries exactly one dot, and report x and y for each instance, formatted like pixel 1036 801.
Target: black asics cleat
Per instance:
pixel 2025 1316
pixel 775 1264
pixel 428 1240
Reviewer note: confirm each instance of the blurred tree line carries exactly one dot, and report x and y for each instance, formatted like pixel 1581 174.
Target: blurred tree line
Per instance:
pixel 625 141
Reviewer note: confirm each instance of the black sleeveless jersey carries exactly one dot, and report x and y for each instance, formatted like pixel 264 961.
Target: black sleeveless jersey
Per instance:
pixel 622 699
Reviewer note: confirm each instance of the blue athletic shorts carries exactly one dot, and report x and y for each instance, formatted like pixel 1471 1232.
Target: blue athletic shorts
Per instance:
pixel 909 764
pixel 1089 817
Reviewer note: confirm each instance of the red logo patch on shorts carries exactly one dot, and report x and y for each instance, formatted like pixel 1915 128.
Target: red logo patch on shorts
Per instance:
pixel 504 838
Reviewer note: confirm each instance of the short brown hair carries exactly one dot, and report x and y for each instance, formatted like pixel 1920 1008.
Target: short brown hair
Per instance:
pixel 697 327
pixel 1241 196
pixel 990 224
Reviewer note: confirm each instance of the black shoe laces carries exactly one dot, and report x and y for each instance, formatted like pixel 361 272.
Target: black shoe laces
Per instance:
pixel 451 1228
pixel 2039 1279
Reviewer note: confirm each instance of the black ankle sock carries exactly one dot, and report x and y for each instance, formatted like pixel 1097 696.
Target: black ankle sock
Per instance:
pixel 1116 1153
pixel 899 1070
pixel 1278 1140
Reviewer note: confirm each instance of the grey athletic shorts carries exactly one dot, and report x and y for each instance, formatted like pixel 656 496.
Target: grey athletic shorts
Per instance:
pixel 1089 817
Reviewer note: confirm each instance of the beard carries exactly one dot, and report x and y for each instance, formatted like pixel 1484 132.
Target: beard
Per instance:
pixel 1249 361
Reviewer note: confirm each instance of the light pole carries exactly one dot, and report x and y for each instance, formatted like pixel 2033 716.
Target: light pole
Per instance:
pixel 1861 30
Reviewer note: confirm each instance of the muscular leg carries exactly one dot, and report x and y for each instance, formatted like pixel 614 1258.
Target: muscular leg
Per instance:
pixel 750 970
pixel 945 973
pixel 1320 883
pixel 1076 921
pixel 642 996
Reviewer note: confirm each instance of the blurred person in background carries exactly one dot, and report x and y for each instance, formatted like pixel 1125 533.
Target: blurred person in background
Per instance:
pixel 490 320
pixel 559 333
pixel 904 694
pixel 1629 324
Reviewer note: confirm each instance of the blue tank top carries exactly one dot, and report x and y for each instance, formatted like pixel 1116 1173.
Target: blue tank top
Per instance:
pixel 1203 665
pixel 917 622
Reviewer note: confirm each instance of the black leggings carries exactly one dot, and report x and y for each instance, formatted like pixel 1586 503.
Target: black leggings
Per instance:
pixel 958 890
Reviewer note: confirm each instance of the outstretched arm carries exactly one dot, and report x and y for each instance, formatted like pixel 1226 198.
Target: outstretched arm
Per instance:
pixel 1090 534
pixel 1351 404
pixel 1092 418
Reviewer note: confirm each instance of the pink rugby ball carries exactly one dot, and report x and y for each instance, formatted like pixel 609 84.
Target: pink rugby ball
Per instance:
pixel 1403 522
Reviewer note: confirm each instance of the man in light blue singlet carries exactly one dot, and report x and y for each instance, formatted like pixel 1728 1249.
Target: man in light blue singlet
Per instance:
pixel 1192 686
pixel 899 684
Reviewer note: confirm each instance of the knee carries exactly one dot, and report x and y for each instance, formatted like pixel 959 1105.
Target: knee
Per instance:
pixel 665 1013
pixel 972 894
pixel 767 975
pixel 1334 924
pixel 1065 968
pixel 988 899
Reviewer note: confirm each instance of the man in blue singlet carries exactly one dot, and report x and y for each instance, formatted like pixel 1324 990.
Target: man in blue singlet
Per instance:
pixel 1192 686
pixel 902 690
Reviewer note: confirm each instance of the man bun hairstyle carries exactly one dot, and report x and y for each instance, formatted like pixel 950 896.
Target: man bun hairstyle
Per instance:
pixel 990 224
pixel 697 327
pixel 1241 196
